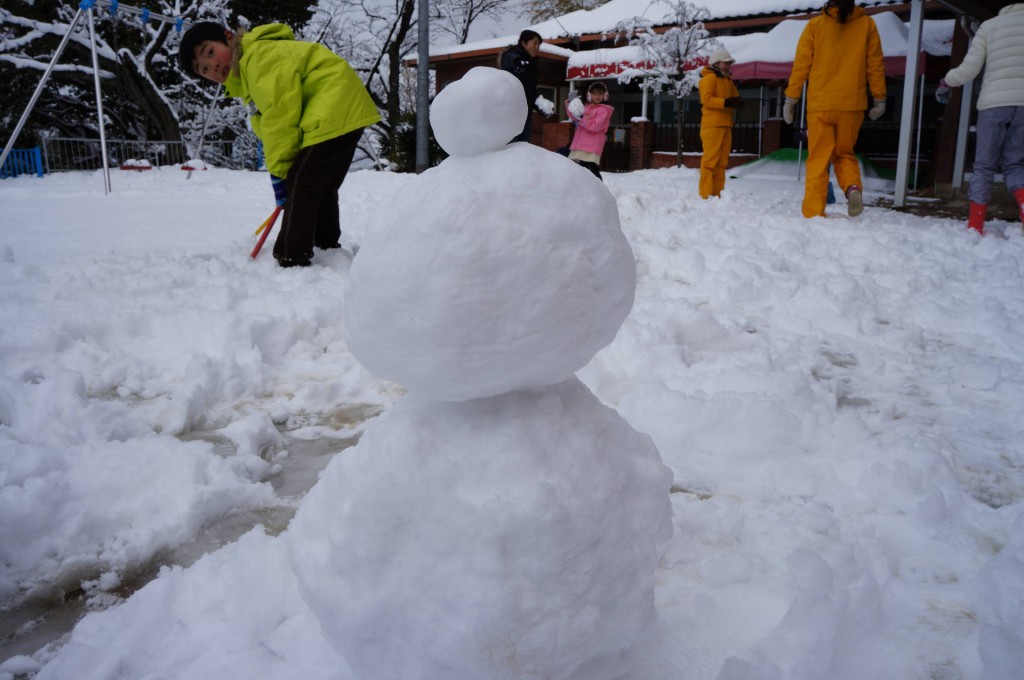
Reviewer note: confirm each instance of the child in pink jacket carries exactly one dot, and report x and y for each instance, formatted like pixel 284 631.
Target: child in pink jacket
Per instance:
pixel 591 128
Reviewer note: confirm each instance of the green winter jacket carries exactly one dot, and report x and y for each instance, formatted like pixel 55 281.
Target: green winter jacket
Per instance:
pixel 304 94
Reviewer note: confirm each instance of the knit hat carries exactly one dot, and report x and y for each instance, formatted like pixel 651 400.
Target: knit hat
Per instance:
pixel 720 55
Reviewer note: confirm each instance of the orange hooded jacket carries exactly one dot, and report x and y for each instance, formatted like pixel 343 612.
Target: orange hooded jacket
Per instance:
pixel 841 60
pixel 714 89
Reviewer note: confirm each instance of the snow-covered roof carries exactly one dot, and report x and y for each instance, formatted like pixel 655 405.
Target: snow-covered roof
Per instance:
pixel 779 44
pixel 604 19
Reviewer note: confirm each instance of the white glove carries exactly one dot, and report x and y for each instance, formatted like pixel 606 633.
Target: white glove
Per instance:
pixel 788 109
pixel 876 111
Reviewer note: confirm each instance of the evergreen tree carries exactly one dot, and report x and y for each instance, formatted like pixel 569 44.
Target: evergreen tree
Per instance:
pixel 144 94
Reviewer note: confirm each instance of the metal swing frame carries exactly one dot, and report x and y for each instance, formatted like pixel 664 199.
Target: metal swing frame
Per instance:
pixel 86 9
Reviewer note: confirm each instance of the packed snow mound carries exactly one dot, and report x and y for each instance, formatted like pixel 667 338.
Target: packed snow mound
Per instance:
pixel 478 281
pixel 526 550
pixel 577 108
pixel 480 112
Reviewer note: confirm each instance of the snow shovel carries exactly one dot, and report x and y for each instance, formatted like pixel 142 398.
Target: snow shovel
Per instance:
pixel 267 225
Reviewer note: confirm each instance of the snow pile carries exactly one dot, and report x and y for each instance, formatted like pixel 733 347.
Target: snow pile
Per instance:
pixel 522 543
pixel 839 401
pixel 498 538
pixel 576 107
pixel 485 121
pixel 544 105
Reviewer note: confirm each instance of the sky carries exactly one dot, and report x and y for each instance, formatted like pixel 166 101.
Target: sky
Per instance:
pixel 808 435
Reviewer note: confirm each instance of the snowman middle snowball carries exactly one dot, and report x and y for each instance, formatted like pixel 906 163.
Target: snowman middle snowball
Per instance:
pixel 494 271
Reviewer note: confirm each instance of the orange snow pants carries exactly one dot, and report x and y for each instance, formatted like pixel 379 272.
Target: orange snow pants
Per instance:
pixel 831 136
pixel 717 142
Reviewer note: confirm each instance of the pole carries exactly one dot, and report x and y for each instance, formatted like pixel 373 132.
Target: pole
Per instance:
pixel 800 147
pixel 39 87
pixel 99 103
pixel 909 97
pixel 422 88
pixel 760 119
pixel 917 149
pixel 202 135
pixel 963 129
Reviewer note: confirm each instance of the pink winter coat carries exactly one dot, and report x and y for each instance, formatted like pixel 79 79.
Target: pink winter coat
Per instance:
pixel 592 129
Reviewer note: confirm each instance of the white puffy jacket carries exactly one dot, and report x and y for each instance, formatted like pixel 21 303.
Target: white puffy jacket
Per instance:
pixel 999 47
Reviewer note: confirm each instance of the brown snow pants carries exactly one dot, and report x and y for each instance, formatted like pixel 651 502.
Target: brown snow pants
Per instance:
pixel 311 213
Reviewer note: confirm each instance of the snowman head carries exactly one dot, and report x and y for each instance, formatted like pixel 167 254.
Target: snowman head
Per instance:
pixel 480 112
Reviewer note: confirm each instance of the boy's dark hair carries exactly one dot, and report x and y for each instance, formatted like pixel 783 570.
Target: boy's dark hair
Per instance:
pixel 193 37
pixel 528 35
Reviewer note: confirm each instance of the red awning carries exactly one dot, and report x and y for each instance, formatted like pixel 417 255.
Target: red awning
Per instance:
pixel 895 67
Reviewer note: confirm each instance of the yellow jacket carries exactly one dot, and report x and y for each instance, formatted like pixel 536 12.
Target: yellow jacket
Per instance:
pixel 304 94
pixel 840 61
pixel 714 90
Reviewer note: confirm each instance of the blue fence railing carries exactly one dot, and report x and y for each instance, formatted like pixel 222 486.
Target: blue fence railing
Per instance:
pixel 23 162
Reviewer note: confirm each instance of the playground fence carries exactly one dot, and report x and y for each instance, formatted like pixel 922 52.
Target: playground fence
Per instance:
pixel 62 154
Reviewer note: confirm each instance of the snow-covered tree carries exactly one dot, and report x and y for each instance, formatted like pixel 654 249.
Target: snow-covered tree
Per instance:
pixel 670 48
pixel 536 11
pixel 670 51
pixel 144 97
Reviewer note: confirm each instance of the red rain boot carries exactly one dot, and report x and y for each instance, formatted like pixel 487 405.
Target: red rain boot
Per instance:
pixel 976 220
pixel 1019 195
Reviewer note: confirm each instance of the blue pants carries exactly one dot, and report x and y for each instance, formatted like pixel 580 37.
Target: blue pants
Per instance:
pixel 1000 143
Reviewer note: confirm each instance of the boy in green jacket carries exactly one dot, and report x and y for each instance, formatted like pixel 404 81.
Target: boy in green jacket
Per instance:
pixel 311 108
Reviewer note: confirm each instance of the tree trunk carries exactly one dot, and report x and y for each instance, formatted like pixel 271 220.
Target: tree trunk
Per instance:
pixel 394 103
pixel 161 122
pixel 679 132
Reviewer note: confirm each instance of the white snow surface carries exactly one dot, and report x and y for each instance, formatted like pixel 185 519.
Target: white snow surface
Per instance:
pixel 839 401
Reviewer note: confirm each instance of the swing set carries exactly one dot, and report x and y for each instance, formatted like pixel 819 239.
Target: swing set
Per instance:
pixel 86 10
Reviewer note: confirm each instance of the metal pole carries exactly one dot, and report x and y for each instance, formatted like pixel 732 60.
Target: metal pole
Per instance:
pixel 39 88
pixel 760 120
pixel 917 150
pixel 423 88
pixel 99 104
pixel 963 129
pixel 202 135
pixel 909 95
pixel 800 147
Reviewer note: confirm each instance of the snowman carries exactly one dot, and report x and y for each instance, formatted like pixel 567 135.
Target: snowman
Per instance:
pixel 498 522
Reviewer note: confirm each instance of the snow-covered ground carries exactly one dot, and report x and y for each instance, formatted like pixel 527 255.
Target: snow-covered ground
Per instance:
pixel 841 403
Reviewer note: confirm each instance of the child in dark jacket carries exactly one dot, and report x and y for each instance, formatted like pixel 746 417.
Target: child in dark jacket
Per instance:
pixel 310 111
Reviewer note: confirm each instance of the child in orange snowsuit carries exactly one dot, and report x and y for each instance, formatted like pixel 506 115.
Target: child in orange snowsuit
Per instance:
pixel 839 56
pixel 719 100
